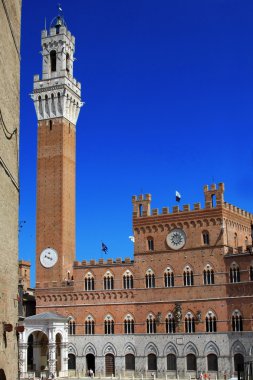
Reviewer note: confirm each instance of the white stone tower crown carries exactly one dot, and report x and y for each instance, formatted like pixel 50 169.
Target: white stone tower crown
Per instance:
pixel 57 93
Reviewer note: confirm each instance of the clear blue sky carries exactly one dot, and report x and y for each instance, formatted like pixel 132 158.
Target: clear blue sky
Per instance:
pixel 168 87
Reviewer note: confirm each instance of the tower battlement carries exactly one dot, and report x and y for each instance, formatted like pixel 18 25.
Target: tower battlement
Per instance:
pixel 214 198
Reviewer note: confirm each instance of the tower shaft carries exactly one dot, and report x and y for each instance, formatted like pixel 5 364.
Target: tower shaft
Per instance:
pixel 57 100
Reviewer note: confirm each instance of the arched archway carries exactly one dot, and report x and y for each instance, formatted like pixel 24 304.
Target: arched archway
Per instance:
pixel 90 362
pixel 37 352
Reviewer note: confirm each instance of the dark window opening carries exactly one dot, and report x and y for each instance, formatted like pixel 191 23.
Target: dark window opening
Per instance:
pixel 67 62
pixel 251 273
pixel 150 244
pixel 205 238
pixel 212 362
pixel 152 362
pixel 191 362
pixel 171 362
pixel 53 60
pixel 130 362
pixel 140 210
pixel 72 361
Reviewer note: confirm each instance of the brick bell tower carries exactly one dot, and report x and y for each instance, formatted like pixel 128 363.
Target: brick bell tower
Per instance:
pixel 57 100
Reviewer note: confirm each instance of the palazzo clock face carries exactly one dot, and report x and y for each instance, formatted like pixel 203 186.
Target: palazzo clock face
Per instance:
pixel 176 239
pixel 48 257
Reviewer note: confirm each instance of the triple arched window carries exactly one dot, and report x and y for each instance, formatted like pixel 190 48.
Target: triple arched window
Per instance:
pixel 237 323
pixel 188 276
pixel 189 322
pixel 108 281
pixel 129 324
pixel 89 282
pixel 150 279
pixel 168 278
pixel 211 325
pixel 151 324
pixel 208 275
pixel 128 280
pixel 170 324
pixel 234 273
pixel 89 325
pixel 109 325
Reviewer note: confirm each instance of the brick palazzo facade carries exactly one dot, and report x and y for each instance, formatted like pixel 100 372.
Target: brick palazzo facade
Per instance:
pixel 183 305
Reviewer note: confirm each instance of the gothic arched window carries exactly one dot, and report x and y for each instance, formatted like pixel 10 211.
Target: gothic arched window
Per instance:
pixel 189 322
pixel 208 275
pixel 109 325
pixel 129 325
pixel 170 324
pixel 211 322
pixel 108 281
pixel 234 273
pixel 89 326
pixel 188 276
pixel 151 324
pixel 128 281
pixel 237 324
pixel 150 279
pixel 89 282
pixel 168 278
pixel 72 326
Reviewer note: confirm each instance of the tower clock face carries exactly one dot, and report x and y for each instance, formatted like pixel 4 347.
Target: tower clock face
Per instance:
pixel 176 239
pixel 48 257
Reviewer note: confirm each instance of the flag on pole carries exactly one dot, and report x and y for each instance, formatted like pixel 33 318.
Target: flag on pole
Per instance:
pixel 59 7
pixel 104 248
pixel 178 196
